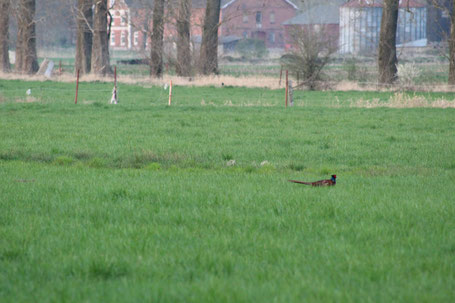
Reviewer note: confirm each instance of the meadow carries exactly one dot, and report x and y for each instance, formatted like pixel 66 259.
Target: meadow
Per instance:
pixel 136 202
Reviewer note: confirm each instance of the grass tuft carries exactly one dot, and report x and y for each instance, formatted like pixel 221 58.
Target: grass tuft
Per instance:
pixel 96 163
pixel 106 270
pixel 63 160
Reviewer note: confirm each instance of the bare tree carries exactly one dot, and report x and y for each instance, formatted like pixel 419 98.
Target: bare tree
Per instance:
pixel 100 48
pixel 311 52
pixel 183 42
pixel 4 26
pixel 387 57
pixel 26 56
pixel 156 54
pixel 55 26
pixel 84 17
pixel 208 60
pixel 452 48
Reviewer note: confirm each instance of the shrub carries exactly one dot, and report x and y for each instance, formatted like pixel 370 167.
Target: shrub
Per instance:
pixel 407 74
pixel 311 51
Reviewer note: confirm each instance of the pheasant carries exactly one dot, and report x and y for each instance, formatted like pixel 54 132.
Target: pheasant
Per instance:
pixel 329 182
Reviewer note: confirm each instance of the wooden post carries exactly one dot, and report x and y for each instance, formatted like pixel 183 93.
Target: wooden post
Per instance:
pixel 114 98
pixel 77 86
pixel 60 67
pixel 291 93
pixel 170 93
pixel 281 73
pixel 287 88
pixel 115 77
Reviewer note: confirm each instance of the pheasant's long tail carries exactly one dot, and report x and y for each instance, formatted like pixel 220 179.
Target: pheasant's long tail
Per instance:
pixel 300 182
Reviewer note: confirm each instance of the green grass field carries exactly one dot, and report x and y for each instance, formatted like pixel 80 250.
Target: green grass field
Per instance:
pixel 135 202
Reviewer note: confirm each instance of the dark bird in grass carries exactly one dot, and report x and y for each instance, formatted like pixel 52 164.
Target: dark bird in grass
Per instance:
pixel 329 182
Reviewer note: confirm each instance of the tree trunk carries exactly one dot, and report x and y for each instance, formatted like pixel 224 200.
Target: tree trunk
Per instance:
pixel 208 60
pixel 183 42
pixel 26 56
pixel 452 48
pixel 100 47
pixel 4 26
pixel 156 54
pixel 84 36
pixel 387 58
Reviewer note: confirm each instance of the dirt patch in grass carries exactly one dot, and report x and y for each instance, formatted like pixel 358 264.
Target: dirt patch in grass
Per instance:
pixel 28 99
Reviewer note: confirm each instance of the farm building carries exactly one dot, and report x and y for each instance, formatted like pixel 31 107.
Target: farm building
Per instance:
pixel 360 22
pixel 317 18
pixel 258 19
pixel 132 20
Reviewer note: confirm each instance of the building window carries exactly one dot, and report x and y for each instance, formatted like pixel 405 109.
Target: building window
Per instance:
pixel 123 39
pixel 112 38
pixel 245 17
pixel 272 37
pixel 245 34
pixel 272 18
pixel 258 18
pixel 136 38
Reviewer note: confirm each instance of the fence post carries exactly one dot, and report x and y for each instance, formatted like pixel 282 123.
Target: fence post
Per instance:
pixel 115 77
pixel 281 73
pixel 287 88
pixel 291 93
pixel 77 86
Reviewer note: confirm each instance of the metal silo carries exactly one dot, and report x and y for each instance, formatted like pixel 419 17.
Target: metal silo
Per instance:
pixel 360 23
pixel 412 22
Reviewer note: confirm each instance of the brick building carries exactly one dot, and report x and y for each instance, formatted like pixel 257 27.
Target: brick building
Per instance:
pixel 257 19
pixel 320 19
pixel 260 19
pixel 121 27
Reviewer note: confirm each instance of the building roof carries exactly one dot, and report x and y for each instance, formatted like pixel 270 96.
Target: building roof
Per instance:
pixel 378 3
pixel 226 3
pixel 203 3
pixel 194 3
pixel 321 14
pixel 149 3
